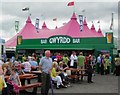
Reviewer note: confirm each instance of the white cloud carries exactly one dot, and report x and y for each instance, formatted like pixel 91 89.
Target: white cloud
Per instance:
pixel 59 1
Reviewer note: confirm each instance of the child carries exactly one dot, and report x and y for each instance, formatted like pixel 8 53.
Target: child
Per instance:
pixel 14 81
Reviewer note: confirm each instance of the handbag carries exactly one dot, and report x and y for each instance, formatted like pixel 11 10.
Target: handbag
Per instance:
pixel 68 72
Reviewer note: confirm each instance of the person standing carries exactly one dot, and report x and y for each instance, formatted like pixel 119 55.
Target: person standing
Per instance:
pixel 89 71
pixel 46 68
pixel 98 63
pixel 81 61
pixel 107 63
pixel 117 65
pixel 73 60
pixel 102 64
pixel 65 59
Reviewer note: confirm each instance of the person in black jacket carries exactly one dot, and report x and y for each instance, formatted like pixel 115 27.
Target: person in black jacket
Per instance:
pixel 89 71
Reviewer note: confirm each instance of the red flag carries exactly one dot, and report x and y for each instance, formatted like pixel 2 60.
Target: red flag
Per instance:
pixel 71 4
pixel 55 19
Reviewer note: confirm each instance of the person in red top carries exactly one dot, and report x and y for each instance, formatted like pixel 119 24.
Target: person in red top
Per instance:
pixel 86 60
pixel 59 57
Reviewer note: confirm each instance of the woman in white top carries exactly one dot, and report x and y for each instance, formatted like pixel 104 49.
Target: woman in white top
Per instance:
pixel 27 66
pixel 73 60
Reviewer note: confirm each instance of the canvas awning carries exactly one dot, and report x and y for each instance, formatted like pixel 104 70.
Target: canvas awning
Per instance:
pixel 52 47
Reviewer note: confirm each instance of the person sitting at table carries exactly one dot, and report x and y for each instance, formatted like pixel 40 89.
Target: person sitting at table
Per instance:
pixel 26 66
pixel 62 68
pixel 3 85
pixel 14 77
pixel 14 82
pixel 1 62
pixel 24 57
pixel 55 76
pixel 34 64
pixel 17 66
pixel 7 67
pixel 9 62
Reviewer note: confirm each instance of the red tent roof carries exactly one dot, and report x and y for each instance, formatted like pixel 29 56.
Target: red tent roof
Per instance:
pixel 100 32
pixel 70 29
pixel 44 26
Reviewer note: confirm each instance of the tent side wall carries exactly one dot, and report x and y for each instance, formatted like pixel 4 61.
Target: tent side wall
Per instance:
pixel 85 44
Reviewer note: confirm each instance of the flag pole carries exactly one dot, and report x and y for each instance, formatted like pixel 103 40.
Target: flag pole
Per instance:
pixel 74 7
pixel 83 12
pixel 112 24
pixel 56 22
pixel 1 34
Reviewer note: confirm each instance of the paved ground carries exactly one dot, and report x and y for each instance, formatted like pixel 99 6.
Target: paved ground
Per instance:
pixel 102 84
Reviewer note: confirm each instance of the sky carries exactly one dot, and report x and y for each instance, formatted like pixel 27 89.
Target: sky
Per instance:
pixel 95 10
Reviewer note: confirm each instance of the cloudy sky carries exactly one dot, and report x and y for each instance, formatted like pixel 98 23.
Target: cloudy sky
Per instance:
pixel 95 11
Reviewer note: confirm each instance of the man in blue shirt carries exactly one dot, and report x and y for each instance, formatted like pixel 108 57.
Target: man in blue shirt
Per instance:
pixel 34 64
pixel 46 68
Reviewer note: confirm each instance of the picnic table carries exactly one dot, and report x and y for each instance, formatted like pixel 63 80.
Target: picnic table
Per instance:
pixel 28 85
pixel 38 73
pixel 77 74
pixel 22 76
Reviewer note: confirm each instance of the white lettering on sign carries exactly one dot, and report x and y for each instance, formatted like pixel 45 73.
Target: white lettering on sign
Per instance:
pixel 43 41
pixel 76 40
pixel 59 40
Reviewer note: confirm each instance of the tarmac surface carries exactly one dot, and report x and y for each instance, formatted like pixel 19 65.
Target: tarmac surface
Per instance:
pixel 102 84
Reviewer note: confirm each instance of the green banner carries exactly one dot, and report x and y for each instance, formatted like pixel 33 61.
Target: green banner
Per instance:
pixel 60 40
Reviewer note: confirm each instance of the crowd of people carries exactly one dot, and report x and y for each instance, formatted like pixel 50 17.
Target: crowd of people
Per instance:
pixel 54 67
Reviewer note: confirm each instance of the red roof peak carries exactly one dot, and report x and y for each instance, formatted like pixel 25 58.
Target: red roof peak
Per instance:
pixel 28 20
pixel 56 27
pixel 93 27
pixel 99 30
pixel 44 25
pixel 84 22
pixel 74 17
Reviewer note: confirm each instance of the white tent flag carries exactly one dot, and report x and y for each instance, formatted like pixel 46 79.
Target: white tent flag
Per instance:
pixel 81 22
pixel 17 26
pixel 37 24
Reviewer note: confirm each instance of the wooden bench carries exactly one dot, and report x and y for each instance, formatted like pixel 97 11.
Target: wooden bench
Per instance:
pixel 77 76
pixel 30 86
pixel 31 77
pixel 33 85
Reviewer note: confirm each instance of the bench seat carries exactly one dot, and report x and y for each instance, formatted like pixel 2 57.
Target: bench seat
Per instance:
pixel 30 86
